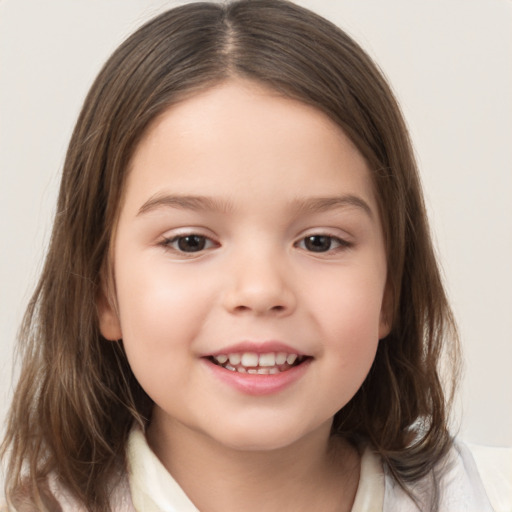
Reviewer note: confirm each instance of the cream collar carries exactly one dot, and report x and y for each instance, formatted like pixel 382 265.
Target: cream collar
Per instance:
pixel 153 489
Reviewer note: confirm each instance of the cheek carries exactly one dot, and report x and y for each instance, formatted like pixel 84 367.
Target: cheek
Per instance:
pixel 159 324
pixel 159 310
pixel 350 304
pixel 150 290
pixel 349 321
pixel 350 349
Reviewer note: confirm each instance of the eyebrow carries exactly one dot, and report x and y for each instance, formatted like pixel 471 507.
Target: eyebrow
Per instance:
pixel 186 202
pixel 322 204
pixel 204 203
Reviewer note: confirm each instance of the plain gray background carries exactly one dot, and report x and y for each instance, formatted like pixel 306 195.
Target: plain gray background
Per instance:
pixel 449 64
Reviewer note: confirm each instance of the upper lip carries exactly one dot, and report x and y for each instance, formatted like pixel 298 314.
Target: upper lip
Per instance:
pixel 257 348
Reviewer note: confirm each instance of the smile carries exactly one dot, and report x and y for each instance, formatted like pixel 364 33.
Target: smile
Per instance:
pixel 270 363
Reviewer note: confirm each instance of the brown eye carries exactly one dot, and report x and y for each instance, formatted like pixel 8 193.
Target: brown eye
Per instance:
pixel 322 243
pixel 318 243
pixel 189 243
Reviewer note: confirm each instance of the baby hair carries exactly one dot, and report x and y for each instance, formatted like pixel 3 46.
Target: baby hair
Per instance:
pixel 77 398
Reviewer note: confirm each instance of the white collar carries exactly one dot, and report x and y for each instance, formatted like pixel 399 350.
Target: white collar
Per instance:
pixel 153 489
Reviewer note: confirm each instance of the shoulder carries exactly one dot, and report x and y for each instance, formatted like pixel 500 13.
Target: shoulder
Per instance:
pixel 455 484
pixel 461 485
pixel 495 468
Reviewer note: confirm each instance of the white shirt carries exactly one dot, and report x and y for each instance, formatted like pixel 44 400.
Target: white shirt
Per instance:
pixel 153 489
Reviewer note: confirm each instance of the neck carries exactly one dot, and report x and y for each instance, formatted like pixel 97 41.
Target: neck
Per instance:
pixel 313 473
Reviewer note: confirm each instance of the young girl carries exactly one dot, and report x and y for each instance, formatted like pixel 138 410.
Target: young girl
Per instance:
pixel 240 307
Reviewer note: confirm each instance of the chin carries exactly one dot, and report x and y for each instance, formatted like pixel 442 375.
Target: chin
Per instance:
pixel 260 439
pixel 253 444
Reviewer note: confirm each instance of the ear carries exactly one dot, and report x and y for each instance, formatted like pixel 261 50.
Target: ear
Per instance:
pixel 108 318
pixel 386 312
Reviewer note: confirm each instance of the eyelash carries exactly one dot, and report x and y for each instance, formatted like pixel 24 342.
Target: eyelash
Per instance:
pixel 340 243
pixel 204 243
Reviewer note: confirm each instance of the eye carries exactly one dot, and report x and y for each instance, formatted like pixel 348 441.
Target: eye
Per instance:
pixel 189 243
pixel 322 243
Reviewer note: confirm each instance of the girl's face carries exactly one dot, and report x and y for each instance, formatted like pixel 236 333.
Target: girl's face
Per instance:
pixel 250 268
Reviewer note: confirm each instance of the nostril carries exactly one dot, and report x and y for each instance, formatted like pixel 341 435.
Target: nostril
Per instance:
pixel 259 299
pixel 279 308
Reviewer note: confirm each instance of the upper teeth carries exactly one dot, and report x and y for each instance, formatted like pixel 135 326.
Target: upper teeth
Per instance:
pixel 252 360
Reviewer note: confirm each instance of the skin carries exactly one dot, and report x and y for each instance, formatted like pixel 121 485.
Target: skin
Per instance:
pixel 263 161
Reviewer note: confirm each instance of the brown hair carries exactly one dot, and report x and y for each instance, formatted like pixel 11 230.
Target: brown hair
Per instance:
pixel 77 398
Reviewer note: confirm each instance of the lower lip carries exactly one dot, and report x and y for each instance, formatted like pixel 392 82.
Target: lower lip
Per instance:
pixel 253 384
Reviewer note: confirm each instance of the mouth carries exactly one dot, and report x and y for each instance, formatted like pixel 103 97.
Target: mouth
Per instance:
pixel 269 363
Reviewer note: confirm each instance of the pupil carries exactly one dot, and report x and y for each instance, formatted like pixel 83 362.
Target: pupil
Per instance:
pixel 191 243
pixel 318 243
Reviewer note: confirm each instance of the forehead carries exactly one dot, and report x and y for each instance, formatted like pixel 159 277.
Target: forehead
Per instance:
pixel 238 139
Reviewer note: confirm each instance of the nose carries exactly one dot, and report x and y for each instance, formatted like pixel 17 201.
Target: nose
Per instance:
pixel 260 284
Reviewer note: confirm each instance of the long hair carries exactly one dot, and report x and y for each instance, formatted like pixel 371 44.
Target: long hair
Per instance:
pixel 77 398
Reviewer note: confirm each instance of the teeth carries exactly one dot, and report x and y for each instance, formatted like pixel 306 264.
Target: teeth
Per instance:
pixel 249 359
pixel 281 358
pixel 235 359
pixel 290 359
pixel 263 364
pixel 267 360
